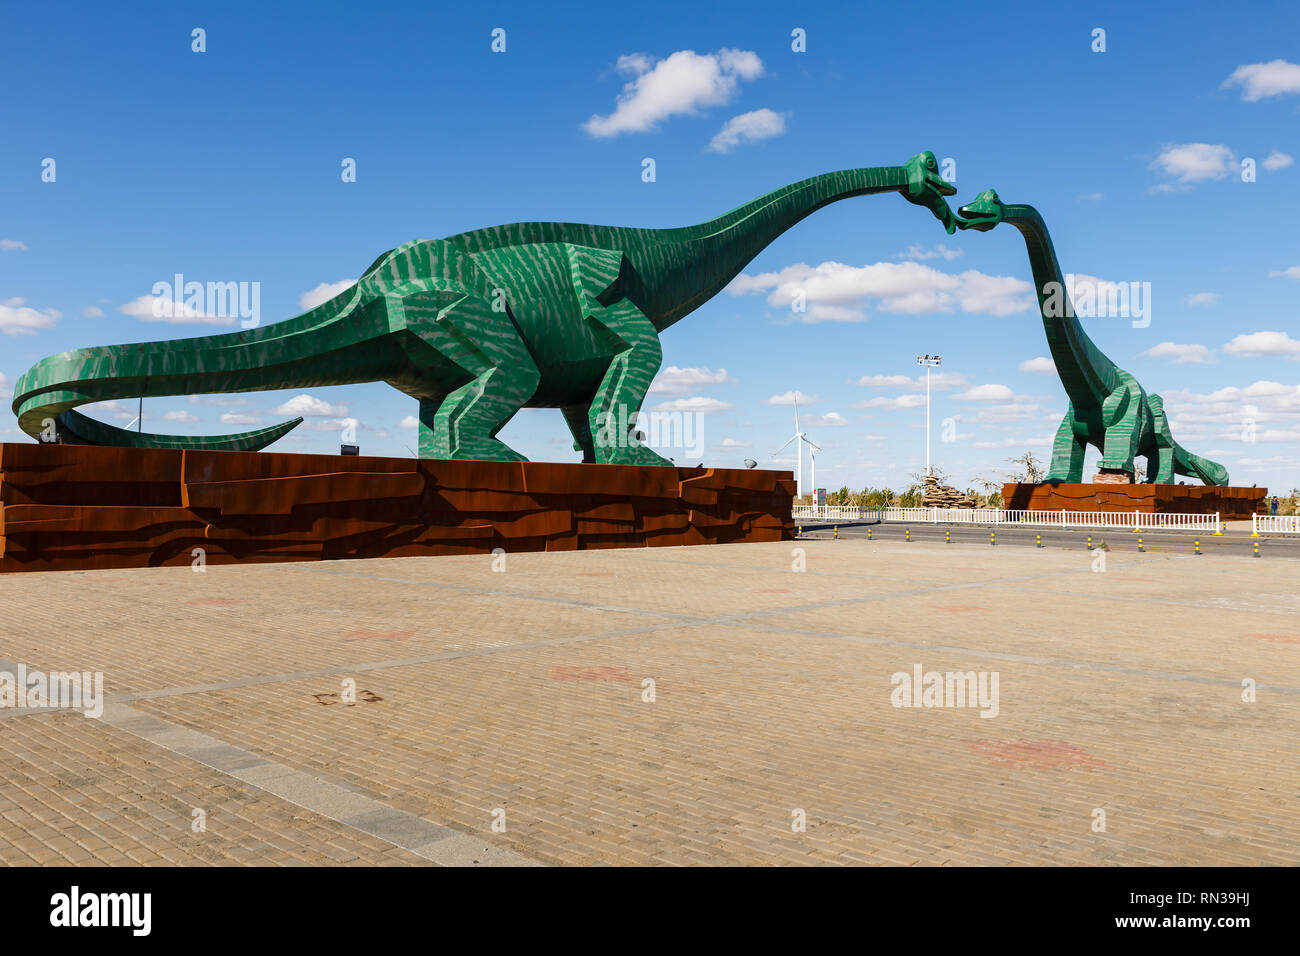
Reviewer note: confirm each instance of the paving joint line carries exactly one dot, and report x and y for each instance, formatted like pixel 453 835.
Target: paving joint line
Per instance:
pixel 430 841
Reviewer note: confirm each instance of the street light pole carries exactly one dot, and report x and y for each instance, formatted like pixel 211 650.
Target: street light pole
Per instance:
pixel 929 361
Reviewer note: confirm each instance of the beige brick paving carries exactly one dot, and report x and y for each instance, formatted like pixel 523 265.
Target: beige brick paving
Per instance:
pixel 75 791
pixel 522 692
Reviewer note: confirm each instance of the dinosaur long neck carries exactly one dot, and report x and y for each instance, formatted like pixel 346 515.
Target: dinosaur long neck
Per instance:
pixel 707 256
pixel 1085 371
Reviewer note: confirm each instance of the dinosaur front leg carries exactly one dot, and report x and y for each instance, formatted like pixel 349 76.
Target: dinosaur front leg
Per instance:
pixel 1068 450
pixel 1121 414
pixel 613 412
pixel 468 335
pixel 576 417
pixel 1160 460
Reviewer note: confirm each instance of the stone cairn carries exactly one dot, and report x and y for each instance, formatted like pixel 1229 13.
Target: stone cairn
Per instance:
pixel 935 495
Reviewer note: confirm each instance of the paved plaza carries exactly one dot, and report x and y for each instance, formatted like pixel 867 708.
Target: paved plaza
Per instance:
pixel 706 705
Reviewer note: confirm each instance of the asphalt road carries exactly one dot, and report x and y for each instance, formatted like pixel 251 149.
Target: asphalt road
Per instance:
pixel 1238 543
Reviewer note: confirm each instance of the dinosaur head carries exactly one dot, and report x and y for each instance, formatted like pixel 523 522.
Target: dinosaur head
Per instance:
pixel 983 213
pixel 926 187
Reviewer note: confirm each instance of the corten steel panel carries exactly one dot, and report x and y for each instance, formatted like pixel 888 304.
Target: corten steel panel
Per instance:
pixel 76 507
pixel 1228 501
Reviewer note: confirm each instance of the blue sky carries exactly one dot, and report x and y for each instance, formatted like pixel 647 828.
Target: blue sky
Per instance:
pixel 225 166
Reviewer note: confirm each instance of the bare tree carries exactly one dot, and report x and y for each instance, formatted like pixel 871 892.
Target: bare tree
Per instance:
pixel 990 488
pixel 1029 470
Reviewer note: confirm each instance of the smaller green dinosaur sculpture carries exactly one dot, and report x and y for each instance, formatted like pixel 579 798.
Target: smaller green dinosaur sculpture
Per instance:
pixel 1108 407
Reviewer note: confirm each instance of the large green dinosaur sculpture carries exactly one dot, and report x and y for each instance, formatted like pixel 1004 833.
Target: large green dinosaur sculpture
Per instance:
pixel 1108 408
pixel 476 326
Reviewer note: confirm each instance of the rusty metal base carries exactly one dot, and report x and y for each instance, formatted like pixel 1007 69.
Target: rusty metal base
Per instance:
pixel 78 507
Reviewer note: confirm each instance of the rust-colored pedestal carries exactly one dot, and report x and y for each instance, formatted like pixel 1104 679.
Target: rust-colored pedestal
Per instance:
pixel 74 507
pixel 1229 502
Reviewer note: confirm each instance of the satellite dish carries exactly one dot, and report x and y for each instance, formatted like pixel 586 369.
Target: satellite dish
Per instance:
pixel 750 463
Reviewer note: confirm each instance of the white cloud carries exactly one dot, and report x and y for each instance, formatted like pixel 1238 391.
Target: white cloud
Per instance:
pixel 1043 366
pixel 735 443
pixel 680 381
pixel 1018 410
pixel 92 311
pixel 1233 408
pixel 747 128
pixel 1187 354
pixel 987 393
pixel 789 398
pixel 829 420
pixel 1277 160
pixel 897 402
pixel 113 409
pixel 1261 80
pixel 12 245
pixel 834 292
pixel 410 421
pixel 157 308
pixel 1293 272
pixel 681 84
pixel 884 381
pixel 5 390
pixel 938 380
pixel 1259 344
pixel 310 407
pixel 236 418
pixel 1195 162
pixel 19 319
pixel 323 293
pixel 219 400
pixel 333 424
pixel 1015 442
pixel 1092 197
pixel 1203 298
pixel 938 252
pixel 180 416
pixel 698 403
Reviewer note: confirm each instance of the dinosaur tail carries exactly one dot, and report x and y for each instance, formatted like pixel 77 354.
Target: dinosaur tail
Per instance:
pixel 1194 466
pixel 289 354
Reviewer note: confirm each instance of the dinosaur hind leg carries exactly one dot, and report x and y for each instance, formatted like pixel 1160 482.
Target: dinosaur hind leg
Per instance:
pixel 632 340
pixel 1068 450
pixel 613 412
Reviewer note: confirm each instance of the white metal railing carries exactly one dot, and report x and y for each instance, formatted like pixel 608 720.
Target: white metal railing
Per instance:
pixel 836 513
pixel 1275 524
pixel 1141 521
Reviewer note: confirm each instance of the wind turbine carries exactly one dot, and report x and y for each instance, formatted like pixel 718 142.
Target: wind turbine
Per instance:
pixel 800 437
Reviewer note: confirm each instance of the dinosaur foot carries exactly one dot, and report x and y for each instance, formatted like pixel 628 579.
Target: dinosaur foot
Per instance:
pixel 631 454
pixel 480 449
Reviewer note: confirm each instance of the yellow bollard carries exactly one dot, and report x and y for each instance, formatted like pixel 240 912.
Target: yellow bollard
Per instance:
pixel 947 536
pixel 835 531
pixel 907 534
pixel 869 538
pixel 798 530
pixel 1089 542
pixel 1038 540
pixel 1198 547
pixel 1140 548
pixel 1256 544
pixel 992 539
